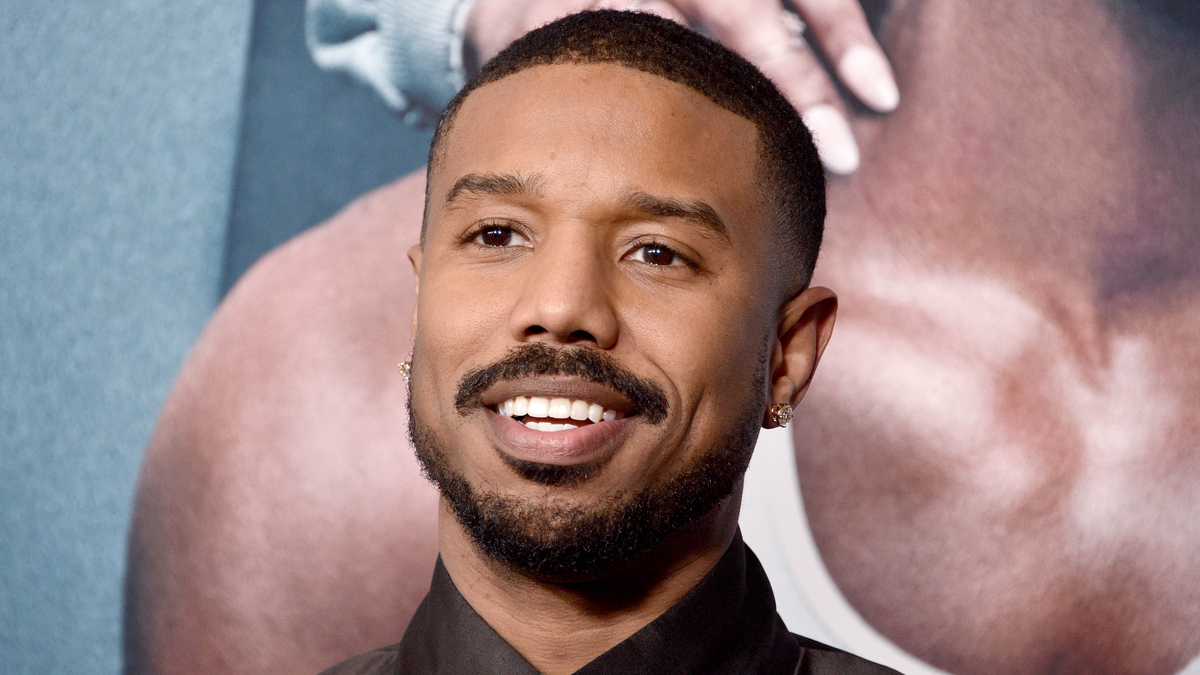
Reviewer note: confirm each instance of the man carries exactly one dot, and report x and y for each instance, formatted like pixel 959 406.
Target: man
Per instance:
pixel 621 222
pixel 1000 478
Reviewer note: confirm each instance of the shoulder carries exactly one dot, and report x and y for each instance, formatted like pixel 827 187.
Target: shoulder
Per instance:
pixel 374 662
pixel 287 427
pixel 821 659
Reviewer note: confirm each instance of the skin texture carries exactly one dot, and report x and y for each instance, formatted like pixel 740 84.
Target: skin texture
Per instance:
pixel 281 521
pixel 573 270
pixel 997 460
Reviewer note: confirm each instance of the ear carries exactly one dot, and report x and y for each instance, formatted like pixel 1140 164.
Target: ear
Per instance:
pixel 803 332
pixel 414 257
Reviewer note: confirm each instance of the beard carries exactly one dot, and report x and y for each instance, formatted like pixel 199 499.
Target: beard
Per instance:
pixel 553 539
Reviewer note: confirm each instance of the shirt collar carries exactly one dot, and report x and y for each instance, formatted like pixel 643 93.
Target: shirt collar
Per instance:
pixel 726 624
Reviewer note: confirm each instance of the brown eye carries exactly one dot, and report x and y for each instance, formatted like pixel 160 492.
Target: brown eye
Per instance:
pixel 498 236
pixel 656 254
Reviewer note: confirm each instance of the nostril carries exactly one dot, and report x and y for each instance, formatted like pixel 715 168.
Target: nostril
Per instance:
pixel 573 336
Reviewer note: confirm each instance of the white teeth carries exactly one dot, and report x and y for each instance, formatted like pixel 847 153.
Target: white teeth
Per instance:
pixel 520 406
pixel 556 408
pixel 538 406
pixel 550 426
pixel 560 408
pixel 579 410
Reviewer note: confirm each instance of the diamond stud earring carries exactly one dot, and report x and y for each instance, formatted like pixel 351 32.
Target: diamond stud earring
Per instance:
pixel 781 414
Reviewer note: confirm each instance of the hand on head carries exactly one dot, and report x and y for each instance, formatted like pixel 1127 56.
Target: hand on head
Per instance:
pixel 767 34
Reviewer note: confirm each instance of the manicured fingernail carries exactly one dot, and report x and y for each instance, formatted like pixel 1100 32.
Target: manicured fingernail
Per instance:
pixel 835 142
pixel 868 75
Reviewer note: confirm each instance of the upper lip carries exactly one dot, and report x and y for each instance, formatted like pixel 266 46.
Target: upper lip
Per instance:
pixel 558 387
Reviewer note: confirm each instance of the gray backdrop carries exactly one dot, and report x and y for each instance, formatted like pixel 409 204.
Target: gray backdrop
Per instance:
pixel 117 129
pixel 124 127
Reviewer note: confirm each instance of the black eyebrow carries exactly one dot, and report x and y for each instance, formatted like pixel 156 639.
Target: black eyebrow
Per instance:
pixel 692 210
pixel 479 184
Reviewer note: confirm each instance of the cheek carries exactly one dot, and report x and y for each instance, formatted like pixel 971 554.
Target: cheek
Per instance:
pixel 711 348
pixel 457 323
pixel 455 308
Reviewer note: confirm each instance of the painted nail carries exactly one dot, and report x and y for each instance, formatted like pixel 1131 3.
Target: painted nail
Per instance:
pixel 867 74
pixel 835 142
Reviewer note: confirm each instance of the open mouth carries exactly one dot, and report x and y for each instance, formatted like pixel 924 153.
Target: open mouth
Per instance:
pixel 555 414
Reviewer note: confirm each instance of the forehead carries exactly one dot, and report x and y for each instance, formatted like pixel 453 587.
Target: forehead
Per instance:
pixel 604 127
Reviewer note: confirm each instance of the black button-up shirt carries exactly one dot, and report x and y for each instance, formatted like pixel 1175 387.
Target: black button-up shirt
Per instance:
pixel 727 624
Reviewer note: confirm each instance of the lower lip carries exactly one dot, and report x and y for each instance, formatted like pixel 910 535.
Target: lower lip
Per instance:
pixel 588 443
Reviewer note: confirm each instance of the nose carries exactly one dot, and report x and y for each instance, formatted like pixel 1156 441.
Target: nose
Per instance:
pixel 566 296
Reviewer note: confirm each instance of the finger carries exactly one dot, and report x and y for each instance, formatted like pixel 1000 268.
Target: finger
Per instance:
pixel 839 28
pixel 760 32
pixel 835 142
pixel 803 79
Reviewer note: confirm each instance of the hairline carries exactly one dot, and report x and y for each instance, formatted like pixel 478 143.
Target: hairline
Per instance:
pixel 788 176
pixel 446 125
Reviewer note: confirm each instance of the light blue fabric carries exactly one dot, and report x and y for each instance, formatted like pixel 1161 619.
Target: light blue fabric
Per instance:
pixel 118 122
pixel 410 52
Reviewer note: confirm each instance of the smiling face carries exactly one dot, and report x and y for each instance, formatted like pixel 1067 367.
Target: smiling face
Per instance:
pixel 599 298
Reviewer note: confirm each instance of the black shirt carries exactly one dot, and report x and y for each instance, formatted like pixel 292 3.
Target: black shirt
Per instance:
pixel 727 624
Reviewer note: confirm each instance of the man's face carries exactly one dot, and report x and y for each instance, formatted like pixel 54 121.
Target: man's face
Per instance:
pixel 594 210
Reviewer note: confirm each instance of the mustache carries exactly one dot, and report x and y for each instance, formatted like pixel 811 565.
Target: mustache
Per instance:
pixel 537 359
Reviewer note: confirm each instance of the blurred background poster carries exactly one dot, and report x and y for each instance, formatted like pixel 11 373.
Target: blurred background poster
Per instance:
pixel 994 472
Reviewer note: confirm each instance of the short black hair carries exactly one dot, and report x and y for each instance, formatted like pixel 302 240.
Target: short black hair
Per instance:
pixel 790 171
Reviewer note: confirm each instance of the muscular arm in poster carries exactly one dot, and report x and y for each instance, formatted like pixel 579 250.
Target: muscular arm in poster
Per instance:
pixel 281 521
pixel 999 457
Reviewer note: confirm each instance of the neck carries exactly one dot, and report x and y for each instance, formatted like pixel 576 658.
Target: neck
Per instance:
pixel 561 626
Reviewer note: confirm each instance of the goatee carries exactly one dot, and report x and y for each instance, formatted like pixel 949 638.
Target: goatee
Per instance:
pixel 554 540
